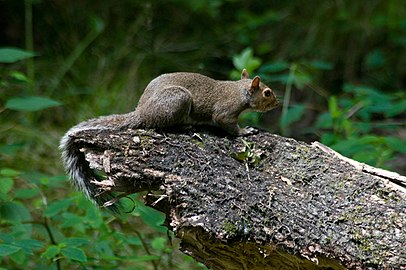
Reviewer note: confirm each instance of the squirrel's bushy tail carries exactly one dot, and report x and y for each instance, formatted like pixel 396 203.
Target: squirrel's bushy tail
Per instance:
pixel 76 166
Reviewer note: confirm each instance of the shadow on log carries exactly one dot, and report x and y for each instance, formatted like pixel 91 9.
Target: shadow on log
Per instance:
pixel 260 202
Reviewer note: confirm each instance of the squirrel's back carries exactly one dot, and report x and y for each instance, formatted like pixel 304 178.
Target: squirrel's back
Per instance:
pixel 204 91
pixel 194 82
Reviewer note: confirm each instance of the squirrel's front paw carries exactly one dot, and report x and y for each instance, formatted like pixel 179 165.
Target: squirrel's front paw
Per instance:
pixel 248 131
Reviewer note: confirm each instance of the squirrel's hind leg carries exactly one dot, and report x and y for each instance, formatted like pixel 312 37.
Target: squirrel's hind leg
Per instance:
pixel 167 107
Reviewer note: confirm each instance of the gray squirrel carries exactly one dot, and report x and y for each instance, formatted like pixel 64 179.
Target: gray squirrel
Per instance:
pixel 170 100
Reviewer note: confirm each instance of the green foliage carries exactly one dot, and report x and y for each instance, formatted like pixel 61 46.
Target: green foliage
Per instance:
pixel 247 60
pixel 293 113
pixel 248 155
pixel 12 55
pixel 348 124
pixel 30 103
pixel 71 230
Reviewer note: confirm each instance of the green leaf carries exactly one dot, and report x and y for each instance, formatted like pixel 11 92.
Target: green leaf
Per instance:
pixel 54 181
pixel 9 172
pixel 26 193
pixel 371 139
pixel 6 249
pixel 74 253
pixel 75 241
pixel 324 121
pixel 158 243
pixel 152 217
pixel 301 79
pixel 97 24
pixel 363 127
pixel 351 147
pixel 11 55
pixel 17 213
pixel 74 221
pixel 19 77
pixel 323 65
pixel 328 138
pixel 274 67
pixel 6 238
pixel 125 238
pixel 397 108
pixel 6 183
pixel 27 245
pixel 396 144
pixel 14 211
pixel 293 114
pixel 250 118
pixel 51 252
pixel 132 240
pixel 32 243
pixel 57 207
pixel 367 156
pixel 104 248
pixel 18 257
pixel 134 258
pixel 11 149
pixel 31 103
pixel 240 156
pixel 333 107
pixel 246 60
pixel 145 258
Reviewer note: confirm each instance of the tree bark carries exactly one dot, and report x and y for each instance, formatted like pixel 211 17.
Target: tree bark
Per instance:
pixel 259 202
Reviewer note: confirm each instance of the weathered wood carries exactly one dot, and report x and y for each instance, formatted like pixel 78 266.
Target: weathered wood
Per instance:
pixel 296 206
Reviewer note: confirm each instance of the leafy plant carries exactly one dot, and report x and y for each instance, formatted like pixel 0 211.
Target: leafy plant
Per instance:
pixel 248 155
pixel 349 125
pixel 244 60
pixel 31 103
pixel 12 55
pixel 64 232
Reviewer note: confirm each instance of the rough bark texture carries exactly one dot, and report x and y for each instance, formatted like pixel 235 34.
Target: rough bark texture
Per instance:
pixel 274 204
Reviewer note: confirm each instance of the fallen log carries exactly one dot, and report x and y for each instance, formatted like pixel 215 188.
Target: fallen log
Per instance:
pixel 259 202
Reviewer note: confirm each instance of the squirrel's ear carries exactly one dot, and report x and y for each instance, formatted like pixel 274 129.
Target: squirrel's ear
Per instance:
pixel 244 74
pixel 255 83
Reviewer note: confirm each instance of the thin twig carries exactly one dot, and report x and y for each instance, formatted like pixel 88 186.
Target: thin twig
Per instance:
pixel 146 248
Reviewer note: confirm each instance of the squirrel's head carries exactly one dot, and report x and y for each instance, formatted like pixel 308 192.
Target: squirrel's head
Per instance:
pixel 261 97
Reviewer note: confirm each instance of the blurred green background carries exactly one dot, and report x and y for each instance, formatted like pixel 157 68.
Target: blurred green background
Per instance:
pixel 339 68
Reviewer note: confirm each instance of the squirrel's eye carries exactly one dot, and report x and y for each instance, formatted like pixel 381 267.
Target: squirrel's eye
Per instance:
pixel 267 93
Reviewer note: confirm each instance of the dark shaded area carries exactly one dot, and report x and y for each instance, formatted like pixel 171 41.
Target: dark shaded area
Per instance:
pixel 298 200
pixel 365 43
